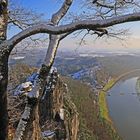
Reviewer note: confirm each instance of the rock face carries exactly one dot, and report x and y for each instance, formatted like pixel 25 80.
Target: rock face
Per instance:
pixel 71 118
pixel 60 113
pixel 57 118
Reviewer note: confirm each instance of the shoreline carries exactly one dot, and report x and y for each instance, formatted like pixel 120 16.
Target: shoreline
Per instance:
pixel 103 106
pixel 109 85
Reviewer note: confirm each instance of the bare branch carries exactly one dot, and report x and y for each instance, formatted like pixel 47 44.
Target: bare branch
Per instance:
pixel 65 35
pixel 105 5
pixel 62 11
pixel 55 39
pixel 101 32
pixel 21 17
pixel 85 24
pixel 83 38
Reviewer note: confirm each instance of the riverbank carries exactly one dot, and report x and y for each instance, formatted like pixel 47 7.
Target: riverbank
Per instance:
pixel 103 107
pixel 91 126
pixel 124 107
pixel 138 86
pixel 104 112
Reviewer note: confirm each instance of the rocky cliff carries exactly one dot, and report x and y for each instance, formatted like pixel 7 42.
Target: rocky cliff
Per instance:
pixel 59 112
pixel 57 118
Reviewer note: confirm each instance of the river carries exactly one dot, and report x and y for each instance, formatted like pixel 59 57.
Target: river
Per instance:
pixel 124 108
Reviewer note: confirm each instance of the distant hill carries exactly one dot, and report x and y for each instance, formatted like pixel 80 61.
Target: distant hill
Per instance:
pixel 117 65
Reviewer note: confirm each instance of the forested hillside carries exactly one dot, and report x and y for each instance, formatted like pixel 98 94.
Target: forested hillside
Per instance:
pixel 117 65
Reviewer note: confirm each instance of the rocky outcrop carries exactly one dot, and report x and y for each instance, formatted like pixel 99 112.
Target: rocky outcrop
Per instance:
pixel 55 119
pixel 71 117
pixel 60 113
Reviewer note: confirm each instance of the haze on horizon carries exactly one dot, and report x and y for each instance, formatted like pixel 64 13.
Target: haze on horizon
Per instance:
pixel 131 43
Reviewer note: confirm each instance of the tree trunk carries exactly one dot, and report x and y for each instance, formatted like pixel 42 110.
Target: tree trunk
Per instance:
pixel 3 19
pixel 3 97
pixel 45 69
pixel 3 71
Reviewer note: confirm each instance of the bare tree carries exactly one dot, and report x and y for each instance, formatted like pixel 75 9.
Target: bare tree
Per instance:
pixel 97 16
